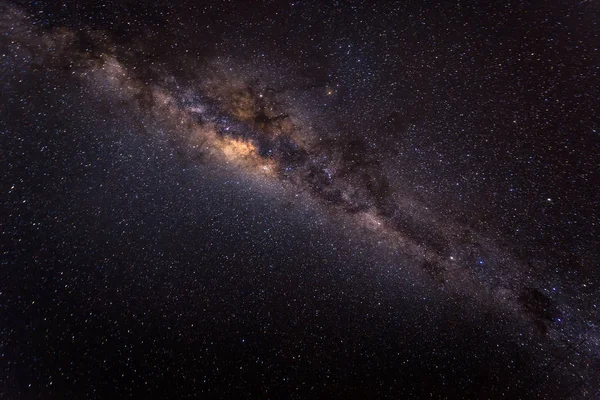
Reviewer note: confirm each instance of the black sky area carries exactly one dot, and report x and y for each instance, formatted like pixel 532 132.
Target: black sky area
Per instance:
pixel 300 199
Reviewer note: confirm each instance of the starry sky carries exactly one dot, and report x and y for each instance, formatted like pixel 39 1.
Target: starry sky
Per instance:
pixel 299 199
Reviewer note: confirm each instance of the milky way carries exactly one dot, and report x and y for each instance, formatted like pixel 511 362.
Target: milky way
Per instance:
pixel 221 112
pixel 227 115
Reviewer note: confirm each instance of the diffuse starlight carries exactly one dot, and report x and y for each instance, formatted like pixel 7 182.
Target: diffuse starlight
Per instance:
pixel 226 117
pixel 231 113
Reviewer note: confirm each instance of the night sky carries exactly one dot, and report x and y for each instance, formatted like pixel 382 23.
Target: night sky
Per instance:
pixel 299 199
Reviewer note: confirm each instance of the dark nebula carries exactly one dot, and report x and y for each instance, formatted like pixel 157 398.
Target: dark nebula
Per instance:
pixel 299 200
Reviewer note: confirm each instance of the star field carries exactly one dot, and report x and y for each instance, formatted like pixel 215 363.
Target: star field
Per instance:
pixel 299 199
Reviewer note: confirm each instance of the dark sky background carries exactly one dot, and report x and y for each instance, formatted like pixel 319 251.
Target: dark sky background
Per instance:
pixel 299 199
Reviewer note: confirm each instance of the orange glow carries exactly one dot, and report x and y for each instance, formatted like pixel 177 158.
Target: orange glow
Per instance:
pixel 237 149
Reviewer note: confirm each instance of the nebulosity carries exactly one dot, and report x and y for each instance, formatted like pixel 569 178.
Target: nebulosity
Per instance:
pixel 218 112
